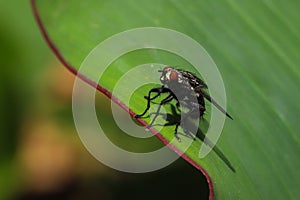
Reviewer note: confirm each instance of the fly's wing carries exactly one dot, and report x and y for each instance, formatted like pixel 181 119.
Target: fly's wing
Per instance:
pixel 193 80
pixel 198 86
pixel 206 96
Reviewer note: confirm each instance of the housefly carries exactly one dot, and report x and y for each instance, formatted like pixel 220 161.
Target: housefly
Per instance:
pixel 186 89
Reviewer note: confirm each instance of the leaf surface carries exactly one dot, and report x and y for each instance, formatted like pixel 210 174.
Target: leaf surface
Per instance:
pixel 255 45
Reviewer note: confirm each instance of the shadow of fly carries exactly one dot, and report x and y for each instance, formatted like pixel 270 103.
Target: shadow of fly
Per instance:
pixel 189 92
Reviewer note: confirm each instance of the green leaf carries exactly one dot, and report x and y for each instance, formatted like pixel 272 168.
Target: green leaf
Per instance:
pixel 255 45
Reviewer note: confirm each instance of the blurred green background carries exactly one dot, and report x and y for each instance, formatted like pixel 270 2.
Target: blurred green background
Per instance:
pixel 41 155
pixel 255 45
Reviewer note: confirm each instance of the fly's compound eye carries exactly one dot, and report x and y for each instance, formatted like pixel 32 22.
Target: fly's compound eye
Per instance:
pixel 173 75
pixel 169 74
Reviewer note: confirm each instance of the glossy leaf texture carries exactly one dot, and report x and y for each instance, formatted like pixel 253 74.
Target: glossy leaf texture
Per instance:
pixel 255 45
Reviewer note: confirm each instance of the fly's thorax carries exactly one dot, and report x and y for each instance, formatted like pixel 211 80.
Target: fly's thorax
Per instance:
pixel 178 84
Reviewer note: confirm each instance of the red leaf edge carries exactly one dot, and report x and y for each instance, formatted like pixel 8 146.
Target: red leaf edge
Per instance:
pixel 113 98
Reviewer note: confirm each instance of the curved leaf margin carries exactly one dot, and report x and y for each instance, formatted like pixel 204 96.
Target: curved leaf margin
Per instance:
pixel 113 98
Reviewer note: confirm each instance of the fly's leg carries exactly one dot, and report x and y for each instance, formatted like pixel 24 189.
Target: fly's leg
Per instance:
pixel 186 132
pixel 159 91
pixel 175 132
pixel 169 98
pixel 194 109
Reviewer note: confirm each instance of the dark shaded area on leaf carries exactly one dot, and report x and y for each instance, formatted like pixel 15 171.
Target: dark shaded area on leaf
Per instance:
pixel 173 117
pixel 168 183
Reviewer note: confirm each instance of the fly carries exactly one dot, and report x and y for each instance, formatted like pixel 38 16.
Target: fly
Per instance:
pixel 184 87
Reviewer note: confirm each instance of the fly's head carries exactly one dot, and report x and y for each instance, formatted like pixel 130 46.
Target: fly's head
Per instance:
pixel 170 76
